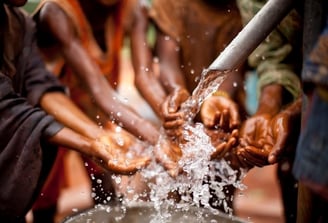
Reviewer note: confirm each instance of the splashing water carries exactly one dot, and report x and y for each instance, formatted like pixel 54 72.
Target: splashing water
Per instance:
pixel 199 182
pixel 209 82
pixel 202 177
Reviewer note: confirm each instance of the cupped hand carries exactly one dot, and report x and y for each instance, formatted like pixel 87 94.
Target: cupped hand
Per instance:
pixel 173 118
pixel 253 149
pixel 168 154
pixel 222 141
pixel 219 111
pixel 119 155
pixel 254 130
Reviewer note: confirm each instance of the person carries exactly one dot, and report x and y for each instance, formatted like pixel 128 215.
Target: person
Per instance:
pixel 278 63
pixel 33 104
pixel 189 36
pixel 94 30
pixel 311 152
pixel 309 110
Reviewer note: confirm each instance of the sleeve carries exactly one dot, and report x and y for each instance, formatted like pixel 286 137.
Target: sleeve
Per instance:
pixel 36 78
pixel 25 158
pixel 278 58
pixel 316 65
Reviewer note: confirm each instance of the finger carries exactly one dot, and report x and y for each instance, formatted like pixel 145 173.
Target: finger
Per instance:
pixel 234 119
pixel 231 142
pixel 255 143
pixel 243 161
pixel 219 151
pixel 257 156
pixel 235 133
pixel 224 119
pixel 173 124
pixel 128 168
pixel 278 148
pixel 171 167
pixel 176 102
pixel 250 160
pixel 209 122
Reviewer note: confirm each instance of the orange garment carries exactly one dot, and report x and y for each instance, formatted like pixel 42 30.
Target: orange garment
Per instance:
pixel 108 63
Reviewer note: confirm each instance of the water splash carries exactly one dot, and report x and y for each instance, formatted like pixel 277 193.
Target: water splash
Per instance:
pixel 199 182
pixel 209 82
pixel 202 177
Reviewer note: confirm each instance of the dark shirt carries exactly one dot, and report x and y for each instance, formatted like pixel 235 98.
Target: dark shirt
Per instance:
pixel 25 156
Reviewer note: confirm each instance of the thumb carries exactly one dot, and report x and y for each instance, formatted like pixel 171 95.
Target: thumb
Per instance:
pixel 278 148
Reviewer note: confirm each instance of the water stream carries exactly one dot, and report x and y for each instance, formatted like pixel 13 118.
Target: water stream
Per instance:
pixel 199 180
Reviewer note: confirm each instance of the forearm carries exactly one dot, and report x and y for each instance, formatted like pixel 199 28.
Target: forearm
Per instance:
pixel 270 99
pixel 65 111
pixel 294 109
pixel 171 75
pixel 70 139
pixel 151 90
pixel 132 122
pixel 145 80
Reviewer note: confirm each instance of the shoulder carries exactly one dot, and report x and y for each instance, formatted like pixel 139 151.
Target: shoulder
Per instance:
pixel 52 20
pixel 51 14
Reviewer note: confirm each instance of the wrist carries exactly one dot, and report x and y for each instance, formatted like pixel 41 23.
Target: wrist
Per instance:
pixel 270 100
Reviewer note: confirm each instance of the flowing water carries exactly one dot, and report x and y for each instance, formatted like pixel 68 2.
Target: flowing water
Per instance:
pixel 199 180
pixel 209 82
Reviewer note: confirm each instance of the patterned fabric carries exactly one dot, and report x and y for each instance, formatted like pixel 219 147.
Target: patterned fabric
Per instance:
pixel 316 69
pixel 311 160
pixel 278 59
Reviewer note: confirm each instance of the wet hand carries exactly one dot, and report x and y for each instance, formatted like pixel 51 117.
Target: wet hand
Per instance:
pixel 253 149
pixel 254 130
pixel 173 118
pixel 283 133
pixel 222 141
pixel 168 154
pixel 118 155
pixel 220 112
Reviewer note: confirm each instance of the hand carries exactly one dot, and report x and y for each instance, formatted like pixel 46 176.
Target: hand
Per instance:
pixel 254 149
pixel 119 155
pixel 168 155
pixel 173 119
pixel 283 133
pixel 222 141
pixel 220 111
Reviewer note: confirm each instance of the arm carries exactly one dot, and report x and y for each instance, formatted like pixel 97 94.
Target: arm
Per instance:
pixel 65 111
pixel 173 81
pixel 56 23
pixel 142 61
pixel 104 151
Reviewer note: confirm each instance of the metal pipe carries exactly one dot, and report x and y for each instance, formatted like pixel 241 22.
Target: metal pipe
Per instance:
pixel 252 35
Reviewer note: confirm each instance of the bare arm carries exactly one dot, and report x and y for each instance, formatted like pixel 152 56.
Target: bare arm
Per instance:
pixel 65 111
pixel 171 75
pixel 55 21
pixel 145 79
